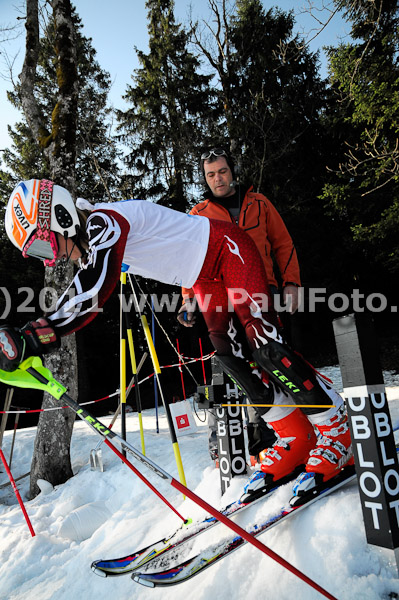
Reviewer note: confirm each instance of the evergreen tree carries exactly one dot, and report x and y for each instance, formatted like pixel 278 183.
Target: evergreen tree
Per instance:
pixel 276 100
pixel 364 122
pixel 96 153
pixel 273 101
pixel 170 108
pixel 64 137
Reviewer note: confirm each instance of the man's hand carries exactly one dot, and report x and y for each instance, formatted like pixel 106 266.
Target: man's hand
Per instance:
pixel 291 298
pixel 40 337
pixel 12 348
pixel 186 315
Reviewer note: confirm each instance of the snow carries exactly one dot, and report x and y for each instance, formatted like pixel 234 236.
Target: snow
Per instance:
pixel 112 513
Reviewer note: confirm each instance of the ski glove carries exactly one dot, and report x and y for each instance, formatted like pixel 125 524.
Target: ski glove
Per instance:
pixel 40 337
pixel 12 348
pixel 186 315
pixel 35 338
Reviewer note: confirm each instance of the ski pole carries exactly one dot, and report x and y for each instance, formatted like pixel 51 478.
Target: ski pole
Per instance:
pixel 202 361
pixel 135 371
pixel 41 378
pixel 4 417
pixel 122 357
pixel 157 370
pixel 155 379
pixel 180 369
pixel 95 450
pixel 16 492
pixel 13 436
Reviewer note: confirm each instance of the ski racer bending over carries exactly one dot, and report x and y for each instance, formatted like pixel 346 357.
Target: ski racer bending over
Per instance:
pixel 184 250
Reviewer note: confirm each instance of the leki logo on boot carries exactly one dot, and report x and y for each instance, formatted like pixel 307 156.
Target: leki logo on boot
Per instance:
pixel 286 381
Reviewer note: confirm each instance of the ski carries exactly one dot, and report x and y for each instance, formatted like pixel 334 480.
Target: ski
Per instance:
pixel 185 533
pixel 187 569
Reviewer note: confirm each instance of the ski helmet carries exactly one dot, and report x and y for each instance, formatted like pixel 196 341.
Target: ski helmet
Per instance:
pixel 36 211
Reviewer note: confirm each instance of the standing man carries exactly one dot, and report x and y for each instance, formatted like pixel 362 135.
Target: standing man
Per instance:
pixel 227 200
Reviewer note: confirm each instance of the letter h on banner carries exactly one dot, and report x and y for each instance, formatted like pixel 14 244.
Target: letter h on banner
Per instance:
pixel 373 441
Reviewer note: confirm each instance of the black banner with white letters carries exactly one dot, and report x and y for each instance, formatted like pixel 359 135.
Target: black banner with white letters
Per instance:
pixel 230 435
pixel 371 429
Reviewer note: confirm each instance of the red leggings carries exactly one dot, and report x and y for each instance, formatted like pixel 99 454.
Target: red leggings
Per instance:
pixel 233 280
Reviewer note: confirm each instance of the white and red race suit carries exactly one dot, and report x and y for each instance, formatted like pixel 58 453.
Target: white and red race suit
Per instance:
pixel 172 247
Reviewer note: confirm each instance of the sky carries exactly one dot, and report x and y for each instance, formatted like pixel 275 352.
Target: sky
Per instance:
pixel 102 515
pixel 117 27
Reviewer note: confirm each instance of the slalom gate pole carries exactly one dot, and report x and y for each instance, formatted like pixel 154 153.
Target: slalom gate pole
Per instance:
pixel 16 492
pixel 157 370
pixel 181 370
pixel 202 360
pixel 4 417
pixel 32 374
pixel 13 436
pixel 122 357
pixel 135 377
pixel 155 379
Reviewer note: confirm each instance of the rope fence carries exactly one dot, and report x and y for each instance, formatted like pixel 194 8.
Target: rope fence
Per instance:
pixel 185 361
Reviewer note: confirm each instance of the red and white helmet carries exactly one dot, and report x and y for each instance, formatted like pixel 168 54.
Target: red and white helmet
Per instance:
pixel 36 211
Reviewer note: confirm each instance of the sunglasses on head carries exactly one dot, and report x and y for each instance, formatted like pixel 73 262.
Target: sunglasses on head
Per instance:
pixel 216 152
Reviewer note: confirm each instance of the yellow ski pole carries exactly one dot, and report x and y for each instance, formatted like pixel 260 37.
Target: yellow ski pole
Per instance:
pixel 135 377
pixel 157 370
pixel 122 359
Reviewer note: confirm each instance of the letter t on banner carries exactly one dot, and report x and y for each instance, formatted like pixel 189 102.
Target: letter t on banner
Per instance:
pixel 371 429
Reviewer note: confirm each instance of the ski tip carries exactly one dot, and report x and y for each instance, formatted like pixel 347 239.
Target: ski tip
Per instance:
pixel 98 571
pixel 143 581
pixel 244 499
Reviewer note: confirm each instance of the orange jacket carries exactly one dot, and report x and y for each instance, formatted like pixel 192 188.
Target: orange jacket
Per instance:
pixel 263 223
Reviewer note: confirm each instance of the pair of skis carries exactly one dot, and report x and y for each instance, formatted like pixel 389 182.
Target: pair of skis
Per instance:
pixel 32 374
pixel 157 556
pixel 186 532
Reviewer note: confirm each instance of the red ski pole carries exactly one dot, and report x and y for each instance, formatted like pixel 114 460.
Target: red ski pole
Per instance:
pixel 180 369
pixel 202 361
pixel 14 487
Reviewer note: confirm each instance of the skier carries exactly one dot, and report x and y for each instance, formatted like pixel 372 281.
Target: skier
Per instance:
pixel 159 243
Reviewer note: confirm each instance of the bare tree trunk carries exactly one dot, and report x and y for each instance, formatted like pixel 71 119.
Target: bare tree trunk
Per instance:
pixel 51 458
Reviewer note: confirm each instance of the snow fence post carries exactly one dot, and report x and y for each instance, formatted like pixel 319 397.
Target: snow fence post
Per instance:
pixel 373 441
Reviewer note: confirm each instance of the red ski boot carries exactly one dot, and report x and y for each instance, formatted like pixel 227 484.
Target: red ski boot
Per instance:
pixel 289 454
pixel 333 449
pixel 296 438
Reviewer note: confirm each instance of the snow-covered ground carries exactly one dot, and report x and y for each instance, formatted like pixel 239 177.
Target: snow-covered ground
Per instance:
pixel 117 514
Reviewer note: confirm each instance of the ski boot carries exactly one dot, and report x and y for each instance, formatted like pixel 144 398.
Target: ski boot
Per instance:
pixel 331 458
pixel 286 458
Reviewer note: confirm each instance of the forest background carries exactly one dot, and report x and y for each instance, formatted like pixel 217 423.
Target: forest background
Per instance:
pixel 322 147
